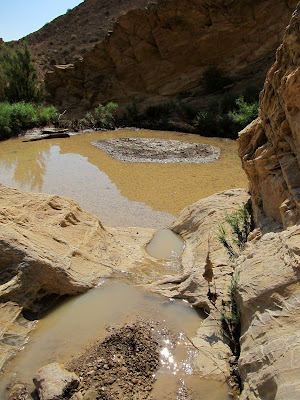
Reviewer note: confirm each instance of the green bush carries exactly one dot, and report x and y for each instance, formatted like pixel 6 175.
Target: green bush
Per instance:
pixel 101 117
pixel 18 76
pixel 20 116
pixel 245 113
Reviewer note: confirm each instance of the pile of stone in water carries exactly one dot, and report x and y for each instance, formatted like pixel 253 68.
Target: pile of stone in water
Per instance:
pixel 121 366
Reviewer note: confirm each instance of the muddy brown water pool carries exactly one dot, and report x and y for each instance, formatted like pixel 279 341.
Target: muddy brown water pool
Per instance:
pixel 120 194
pixel 165 245
pixel 76 322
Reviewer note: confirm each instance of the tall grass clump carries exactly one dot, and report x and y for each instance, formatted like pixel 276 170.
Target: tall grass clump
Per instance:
pixel 240 225
pixel 231 316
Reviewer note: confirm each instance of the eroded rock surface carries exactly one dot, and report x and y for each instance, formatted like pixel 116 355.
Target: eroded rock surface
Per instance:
pixel 49 247
pixel 153 54
pixel 269 295
pixel 269 274
pixel 270 146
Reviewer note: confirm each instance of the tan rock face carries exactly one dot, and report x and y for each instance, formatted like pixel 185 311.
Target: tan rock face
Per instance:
pixel 157 52
pixel 270 146
pixel 269 296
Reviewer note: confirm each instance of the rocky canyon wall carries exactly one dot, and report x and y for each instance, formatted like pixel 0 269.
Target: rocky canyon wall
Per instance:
pixel 155 53
pixel 269 268
pixel 270 146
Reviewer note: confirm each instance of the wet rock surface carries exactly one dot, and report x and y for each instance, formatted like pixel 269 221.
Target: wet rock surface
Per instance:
pixel 49 248
pixel 158 150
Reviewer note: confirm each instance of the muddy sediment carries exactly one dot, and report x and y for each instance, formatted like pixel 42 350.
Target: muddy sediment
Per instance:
pixel 123 364
pixel 158 150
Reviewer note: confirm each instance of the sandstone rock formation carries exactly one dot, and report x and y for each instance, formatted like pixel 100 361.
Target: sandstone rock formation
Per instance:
pixel 49 247
pixel 154 54
pixel 268 289
pixel 270 146
pixel 269 295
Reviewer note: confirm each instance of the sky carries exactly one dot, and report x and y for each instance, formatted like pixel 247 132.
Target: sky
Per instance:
pixel 18 18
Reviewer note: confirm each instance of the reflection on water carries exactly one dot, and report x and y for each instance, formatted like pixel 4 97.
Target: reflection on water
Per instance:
pixel 119 193
pixel 26 168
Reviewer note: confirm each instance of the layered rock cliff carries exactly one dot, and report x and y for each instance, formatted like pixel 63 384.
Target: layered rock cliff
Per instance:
pixel 270 146
pixel 153 54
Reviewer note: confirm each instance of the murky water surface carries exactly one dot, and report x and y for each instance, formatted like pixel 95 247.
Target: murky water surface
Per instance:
pixel 119 193
pixel 165 245
pixel 75 323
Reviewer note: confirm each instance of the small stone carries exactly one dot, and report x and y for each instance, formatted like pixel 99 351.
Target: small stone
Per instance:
pixel 53 380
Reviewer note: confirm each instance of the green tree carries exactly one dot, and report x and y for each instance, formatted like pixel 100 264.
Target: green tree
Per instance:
pixel 18 76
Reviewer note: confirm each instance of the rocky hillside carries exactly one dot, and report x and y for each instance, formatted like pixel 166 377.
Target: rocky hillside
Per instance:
pixel 65 39
pixel 153 54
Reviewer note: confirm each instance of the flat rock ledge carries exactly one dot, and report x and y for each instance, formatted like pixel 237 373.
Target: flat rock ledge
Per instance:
pixel 158 150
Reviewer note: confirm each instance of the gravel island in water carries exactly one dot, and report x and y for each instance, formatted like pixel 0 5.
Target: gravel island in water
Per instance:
pixel 158 150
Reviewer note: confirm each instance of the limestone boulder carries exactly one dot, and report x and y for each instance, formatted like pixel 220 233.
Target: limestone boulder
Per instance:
pixel 270 146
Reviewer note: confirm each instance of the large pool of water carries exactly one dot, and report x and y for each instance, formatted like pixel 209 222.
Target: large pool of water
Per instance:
pixel 119 193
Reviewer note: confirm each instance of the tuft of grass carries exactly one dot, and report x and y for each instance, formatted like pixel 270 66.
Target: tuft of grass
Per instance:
pixel 231 316
pixel 241 224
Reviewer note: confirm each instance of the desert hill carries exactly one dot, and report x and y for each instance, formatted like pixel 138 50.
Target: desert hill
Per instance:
pixel 158 52
pixel 66 38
